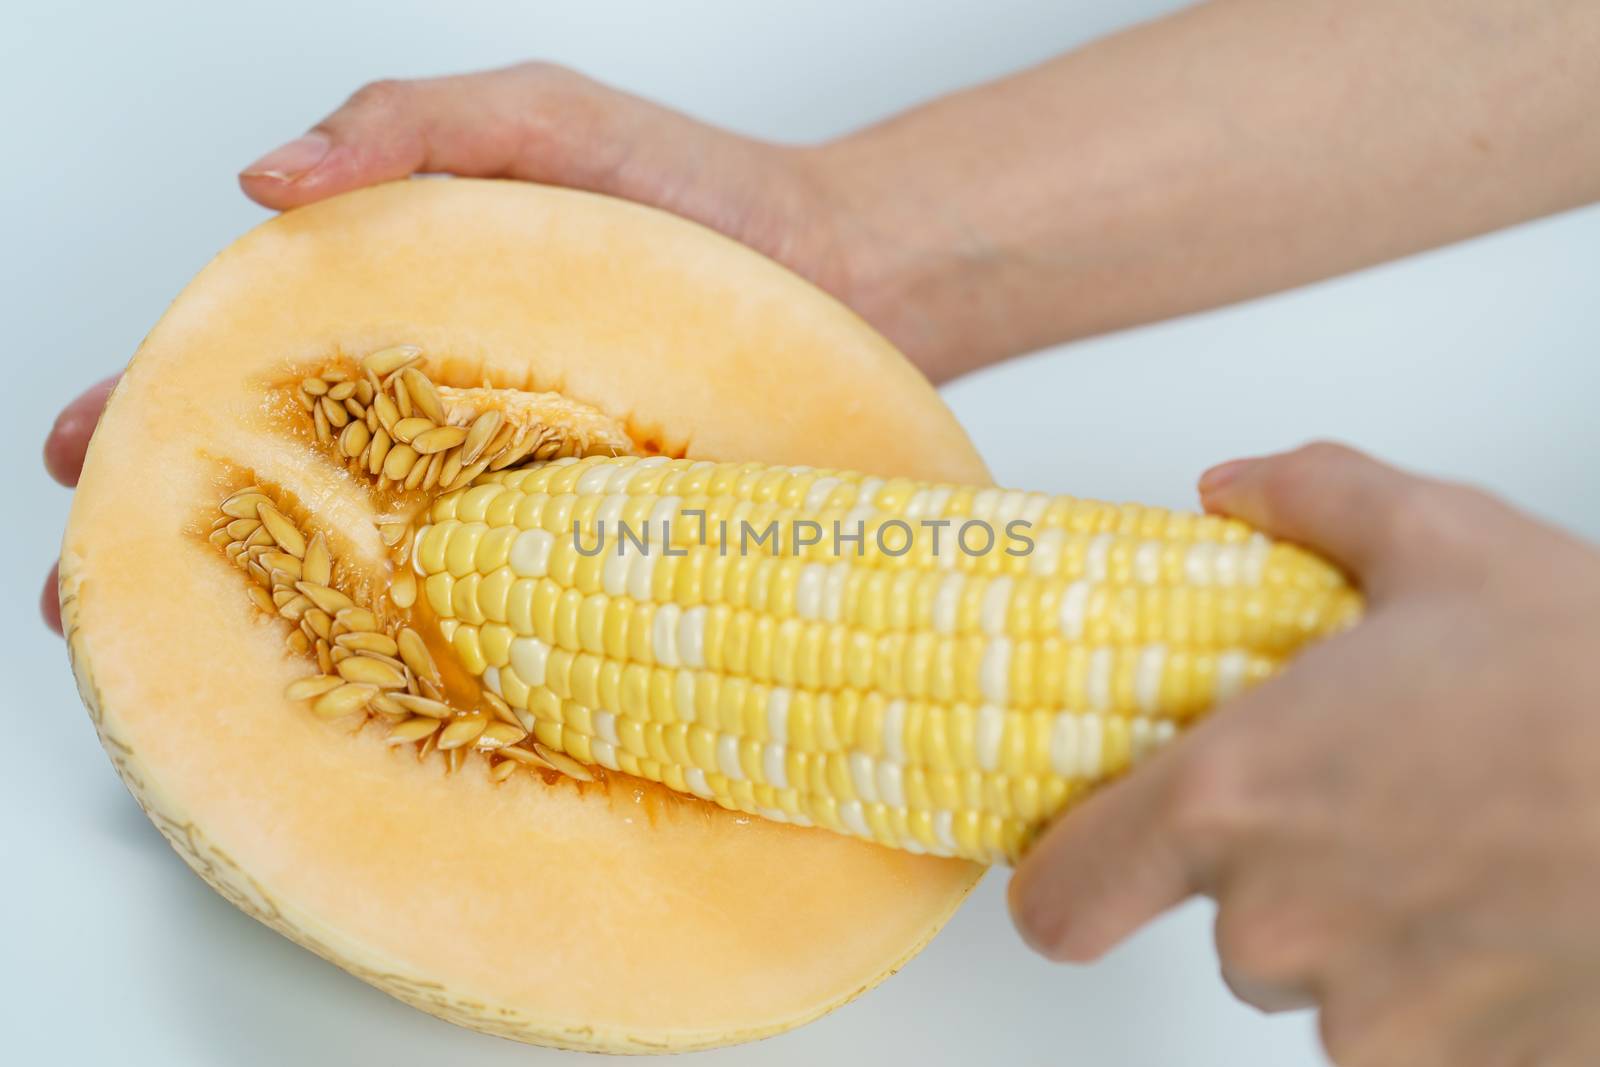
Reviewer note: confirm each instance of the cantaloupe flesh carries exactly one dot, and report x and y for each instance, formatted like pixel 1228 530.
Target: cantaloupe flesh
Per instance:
pixel 612 917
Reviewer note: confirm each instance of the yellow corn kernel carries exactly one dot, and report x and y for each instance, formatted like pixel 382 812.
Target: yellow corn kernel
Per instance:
pixel 494 594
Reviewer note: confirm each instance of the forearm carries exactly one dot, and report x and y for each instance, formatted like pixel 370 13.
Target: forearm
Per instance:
pixel 1234 149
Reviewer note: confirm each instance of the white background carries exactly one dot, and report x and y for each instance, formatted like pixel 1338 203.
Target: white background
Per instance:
pixel 124 125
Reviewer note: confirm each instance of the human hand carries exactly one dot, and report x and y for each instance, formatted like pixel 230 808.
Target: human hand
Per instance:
pixel 544 123
pixel 1404 827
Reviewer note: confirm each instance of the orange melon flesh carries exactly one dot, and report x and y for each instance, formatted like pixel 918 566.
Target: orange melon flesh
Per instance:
pixel 610 916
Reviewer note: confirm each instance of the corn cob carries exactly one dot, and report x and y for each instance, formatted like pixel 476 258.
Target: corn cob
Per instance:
pixel 918 693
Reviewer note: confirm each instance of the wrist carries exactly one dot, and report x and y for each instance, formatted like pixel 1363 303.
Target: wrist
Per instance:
pixel 907 264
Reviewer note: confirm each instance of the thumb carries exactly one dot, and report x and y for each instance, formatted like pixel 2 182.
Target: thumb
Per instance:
pixel 533 121
pixel 1336 501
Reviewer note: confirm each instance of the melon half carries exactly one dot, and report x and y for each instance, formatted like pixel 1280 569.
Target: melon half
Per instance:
pixel 611 915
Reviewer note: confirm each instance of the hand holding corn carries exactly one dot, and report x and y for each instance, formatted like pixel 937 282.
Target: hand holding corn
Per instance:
pixel 1403 828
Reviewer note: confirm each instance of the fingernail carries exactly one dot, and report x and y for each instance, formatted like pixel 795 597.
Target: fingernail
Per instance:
pixel 288 162
pixel 1222 474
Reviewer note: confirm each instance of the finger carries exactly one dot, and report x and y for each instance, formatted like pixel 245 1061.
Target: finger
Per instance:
pixel 68 440
pixel 50 599
pixel 1109 867
pixel 534 122
pixel 1329 498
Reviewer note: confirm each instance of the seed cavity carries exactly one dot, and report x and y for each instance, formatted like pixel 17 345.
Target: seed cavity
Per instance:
pixel 388 421
pixel 385 417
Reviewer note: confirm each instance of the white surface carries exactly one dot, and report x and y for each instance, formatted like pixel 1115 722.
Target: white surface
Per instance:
pixel 125 124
